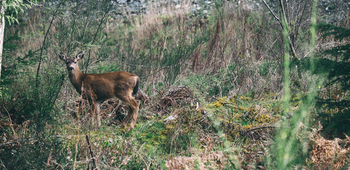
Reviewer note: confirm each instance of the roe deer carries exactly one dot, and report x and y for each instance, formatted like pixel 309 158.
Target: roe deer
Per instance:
pixel 100 87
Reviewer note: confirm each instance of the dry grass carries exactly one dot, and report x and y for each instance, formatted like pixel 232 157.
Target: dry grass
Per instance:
pixel 212 160
pixel 329 153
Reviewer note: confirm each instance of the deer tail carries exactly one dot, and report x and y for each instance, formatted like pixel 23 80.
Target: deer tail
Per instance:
pixel 136 88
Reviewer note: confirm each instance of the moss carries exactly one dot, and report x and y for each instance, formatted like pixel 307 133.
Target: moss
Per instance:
pixel 243 113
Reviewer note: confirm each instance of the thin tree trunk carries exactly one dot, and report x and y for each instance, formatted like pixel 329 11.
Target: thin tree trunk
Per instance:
pixel 2 29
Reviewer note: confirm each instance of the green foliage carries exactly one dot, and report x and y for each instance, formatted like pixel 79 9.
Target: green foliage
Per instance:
pixel 153 137
pixel 23 157
pixel 333 110
pixel 14 7
pixel 10 45
pixel 30 109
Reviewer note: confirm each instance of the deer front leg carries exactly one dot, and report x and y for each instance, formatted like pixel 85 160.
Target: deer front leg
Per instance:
pixel 92 113
pixel 78 107
pixel 95 113
pixel 98 114
pixel 94 107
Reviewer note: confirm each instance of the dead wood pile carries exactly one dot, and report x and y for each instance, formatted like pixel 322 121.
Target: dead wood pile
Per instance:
pixel 175 97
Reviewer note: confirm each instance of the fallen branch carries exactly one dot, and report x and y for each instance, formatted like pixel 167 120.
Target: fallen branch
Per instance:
pixel 30 139
pixel 91 153
pixel 146 99
pixel 257 128
pixel 16 141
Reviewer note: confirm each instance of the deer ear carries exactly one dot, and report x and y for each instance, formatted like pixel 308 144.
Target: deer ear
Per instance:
pixel 80 55
pixel 62 56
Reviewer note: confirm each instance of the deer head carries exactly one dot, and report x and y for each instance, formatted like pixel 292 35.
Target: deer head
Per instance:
pixel 72 62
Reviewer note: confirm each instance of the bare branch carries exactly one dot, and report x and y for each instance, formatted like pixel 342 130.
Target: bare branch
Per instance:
pixel 278 19
pixel 289 39
pixel 280 22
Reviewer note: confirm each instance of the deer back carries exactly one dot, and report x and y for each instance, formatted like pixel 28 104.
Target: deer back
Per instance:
pixel 108 85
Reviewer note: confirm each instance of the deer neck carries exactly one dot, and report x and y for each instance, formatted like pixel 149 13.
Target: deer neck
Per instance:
pixel 76 77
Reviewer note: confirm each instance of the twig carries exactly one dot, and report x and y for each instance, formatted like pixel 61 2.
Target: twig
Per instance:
pixel 76 152
pixel 56 164
pixel 120 102
pixel 98 28
pixel 2 164
pixel 11 124
pixel 261 127
pixel 91 153
pixel 42 48
pixel 225 103
pixel 292 47
pixel 146 97
pixel 215 98
pixel 16 141
pixel 278 19
pixel 290 41
pixel 147 165
pixel 48 160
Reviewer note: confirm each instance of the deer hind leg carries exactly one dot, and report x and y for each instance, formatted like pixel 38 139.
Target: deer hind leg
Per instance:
pixel 133 111
pixel 127 118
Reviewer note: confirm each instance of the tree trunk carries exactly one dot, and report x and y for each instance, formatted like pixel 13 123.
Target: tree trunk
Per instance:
pixel 2 30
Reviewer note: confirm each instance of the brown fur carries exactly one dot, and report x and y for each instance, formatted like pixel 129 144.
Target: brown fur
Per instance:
pixel 100 87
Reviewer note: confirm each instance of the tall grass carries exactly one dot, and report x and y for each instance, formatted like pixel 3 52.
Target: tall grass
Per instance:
pixel 291 142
